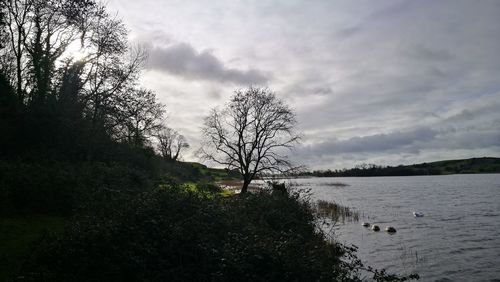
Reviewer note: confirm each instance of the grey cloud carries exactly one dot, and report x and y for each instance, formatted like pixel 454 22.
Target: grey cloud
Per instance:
pixel 347 32
pixel 377 142
pixel 424 74
pixel 464 115
pixel 422 52
pixel 397 8
pixel 392 148
pixel 470 140
pixel 479 120
pixel 488 110
pixel 325 90
pixel 183 60
pixel 474 129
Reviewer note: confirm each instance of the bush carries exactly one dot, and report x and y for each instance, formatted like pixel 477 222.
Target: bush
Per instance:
pixel 62 187
pixel 180 235
pixel 37 188
pixel 206 186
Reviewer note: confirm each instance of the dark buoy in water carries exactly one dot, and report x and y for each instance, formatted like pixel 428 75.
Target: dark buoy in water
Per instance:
pixel 375 228
pixel 365 224
pixel 390 229
pixel 418 214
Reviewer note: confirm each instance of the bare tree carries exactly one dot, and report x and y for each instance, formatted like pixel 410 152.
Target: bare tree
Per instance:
pixel 139 116
pixel 250 134
pixel 171 143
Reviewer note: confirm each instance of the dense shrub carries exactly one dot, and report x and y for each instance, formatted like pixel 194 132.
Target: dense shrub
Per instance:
pixel 37 188
pixel 175 235
pixel 55 186
pixel 61 187
pixel 180 235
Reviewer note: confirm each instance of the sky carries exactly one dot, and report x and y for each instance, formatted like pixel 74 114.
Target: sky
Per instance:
pixel 382 82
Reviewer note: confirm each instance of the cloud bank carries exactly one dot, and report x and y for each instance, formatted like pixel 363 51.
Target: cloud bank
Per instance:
pixel 183 60
pixel 396 81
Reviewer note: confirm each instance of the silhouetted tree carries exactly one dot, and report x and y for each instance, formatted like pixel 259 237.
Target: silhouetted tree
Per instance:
pixel 250 134
pixel 142 115
pixel 170 143
pixel 39 33
pixel 111 71
pixel 95 93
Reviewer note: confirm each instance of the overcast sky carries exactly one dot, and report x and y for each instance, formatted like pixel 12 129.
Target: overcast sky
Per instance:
pixel 385 82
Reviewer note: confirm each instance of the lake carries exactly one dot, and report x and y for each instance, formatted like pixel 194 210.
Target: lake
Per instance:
pixel 457 239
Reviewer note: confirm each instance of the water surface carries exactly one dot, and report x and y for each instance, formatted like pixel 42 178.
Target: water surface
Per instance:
pixel 458 239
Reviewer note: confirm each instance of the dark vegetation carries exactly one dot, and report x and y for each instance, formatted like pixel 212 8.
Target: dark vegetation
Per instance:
pixel 466 166
pixel 73 129
pixel 87 195
pixel 181 235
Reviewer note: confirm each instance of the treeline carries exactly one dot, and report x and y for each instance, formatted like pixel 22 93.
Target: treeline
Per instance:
pixel 69 84
pixel 74 121
pixel 466 166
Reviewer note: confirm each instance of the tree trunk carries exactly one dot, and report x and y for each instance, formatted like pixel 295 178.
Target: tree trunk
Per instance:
pixel 177 153
pixel 244 188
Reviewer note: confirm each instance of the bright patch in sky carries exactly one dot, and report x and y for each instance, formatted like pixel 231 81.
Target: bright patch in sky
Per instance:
pixel 75 51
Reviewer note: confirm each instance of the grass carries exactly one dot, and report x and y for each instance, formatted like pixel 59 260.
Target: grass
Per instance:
pixel 335 211
pixel 195 188
pixel 227 193
pixel 16 235
pixel 216 174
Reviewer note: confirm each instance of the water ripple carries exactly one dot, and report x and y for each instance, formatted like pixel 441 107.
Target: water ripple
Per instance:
pixel 458 239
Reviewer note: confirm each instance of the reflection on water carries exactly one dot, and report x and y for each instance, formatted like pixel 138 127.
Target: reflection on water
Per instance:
pixel 457 239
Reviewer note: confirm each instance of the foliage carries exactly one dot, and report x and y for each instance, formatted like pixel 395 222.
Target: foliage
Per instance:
pixel 17 234
pixel 60 188
pixel 215 173
pixel 92 98
pixel 181 235
pixel 207 186
pixel 50 181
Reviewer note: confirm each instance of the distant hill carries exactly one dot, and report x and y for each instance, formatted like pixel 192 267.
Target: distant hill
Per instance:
pixel 465 166
pixel 474 165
